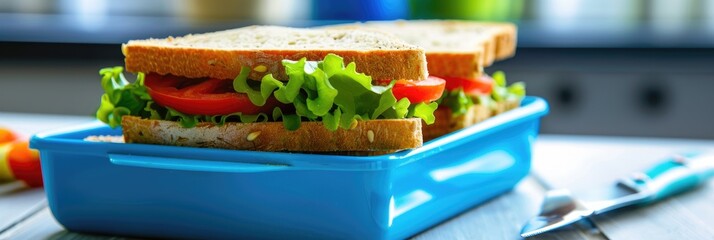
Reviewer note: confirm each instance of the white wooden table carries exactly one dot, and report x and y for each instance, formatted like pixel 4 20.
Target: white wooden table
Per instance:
pixel 588 166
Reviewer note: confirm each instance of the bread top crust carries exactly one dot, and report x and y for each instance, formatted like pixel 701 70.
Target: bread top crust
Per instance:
pixel 453 36
pixel 262 48
pixel 454 48
pixel 276 38
pixel 438 36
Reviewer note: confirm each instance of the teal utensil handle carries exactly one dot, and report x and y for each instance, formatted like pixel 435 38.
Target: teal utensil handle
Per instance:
pixel 675 175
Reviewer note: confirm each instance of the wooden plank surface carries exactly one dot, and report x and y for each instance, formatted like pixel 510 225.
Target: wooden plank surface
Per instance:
pixel 590 167
pixel 503 218
pixel 18 202
pixel 27 124
pixel 43 226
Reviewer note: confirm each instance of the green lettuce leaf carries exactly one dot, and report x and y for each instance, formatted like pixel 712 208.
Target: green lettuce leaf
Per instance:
pixel 502 92
pixel 459 102
pixel 120 96
pixel 424 111
pixel 330 92
pixel 326 91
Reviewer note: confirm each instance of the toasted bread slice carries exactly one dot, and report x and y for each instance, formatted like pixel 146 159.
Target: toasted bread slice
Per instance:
pixel 446 123
pixel 262 48
pixel 386 135
pixel 453 48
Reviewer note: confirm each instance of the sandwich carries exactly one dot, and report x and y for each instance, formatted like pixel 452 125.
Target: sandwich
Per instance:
pixel 269 88
pixel 458 51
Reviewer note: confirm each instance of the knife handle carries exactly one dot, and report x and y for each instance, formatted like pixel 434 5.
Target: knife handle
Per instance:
pixel 672 176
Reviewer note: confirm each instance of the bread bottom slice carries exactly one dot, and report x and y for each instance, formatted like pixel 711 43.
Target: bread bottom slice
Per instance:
pixel 381 136
pixel 446 123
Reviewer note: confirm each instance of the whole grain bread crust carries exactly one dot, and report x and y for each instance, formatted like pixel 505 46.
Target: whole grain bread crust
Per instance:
pixel 454 64
pixel 226 64
pixel 495 41
pixel 381 136
pixel 262 48
pixel 501 44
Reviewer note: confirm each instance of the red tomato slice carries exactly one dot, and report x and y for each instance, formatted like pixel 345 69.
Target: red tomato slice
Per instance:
pixel 201 96
pixel 428 90
pixel 478 86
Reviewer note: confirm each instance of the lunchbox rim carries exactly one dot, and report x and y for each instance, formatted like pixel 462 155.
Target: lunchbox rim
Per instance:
pixel 56 140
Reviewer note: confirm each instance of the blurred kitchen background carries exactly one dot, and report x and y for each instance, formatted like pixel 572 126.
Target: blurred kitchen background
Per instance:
pixel 607 67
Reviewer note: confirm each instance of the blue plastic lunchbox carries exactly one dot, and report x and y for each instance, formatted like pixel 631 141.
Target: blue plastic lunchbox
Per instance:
pixel 181 192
